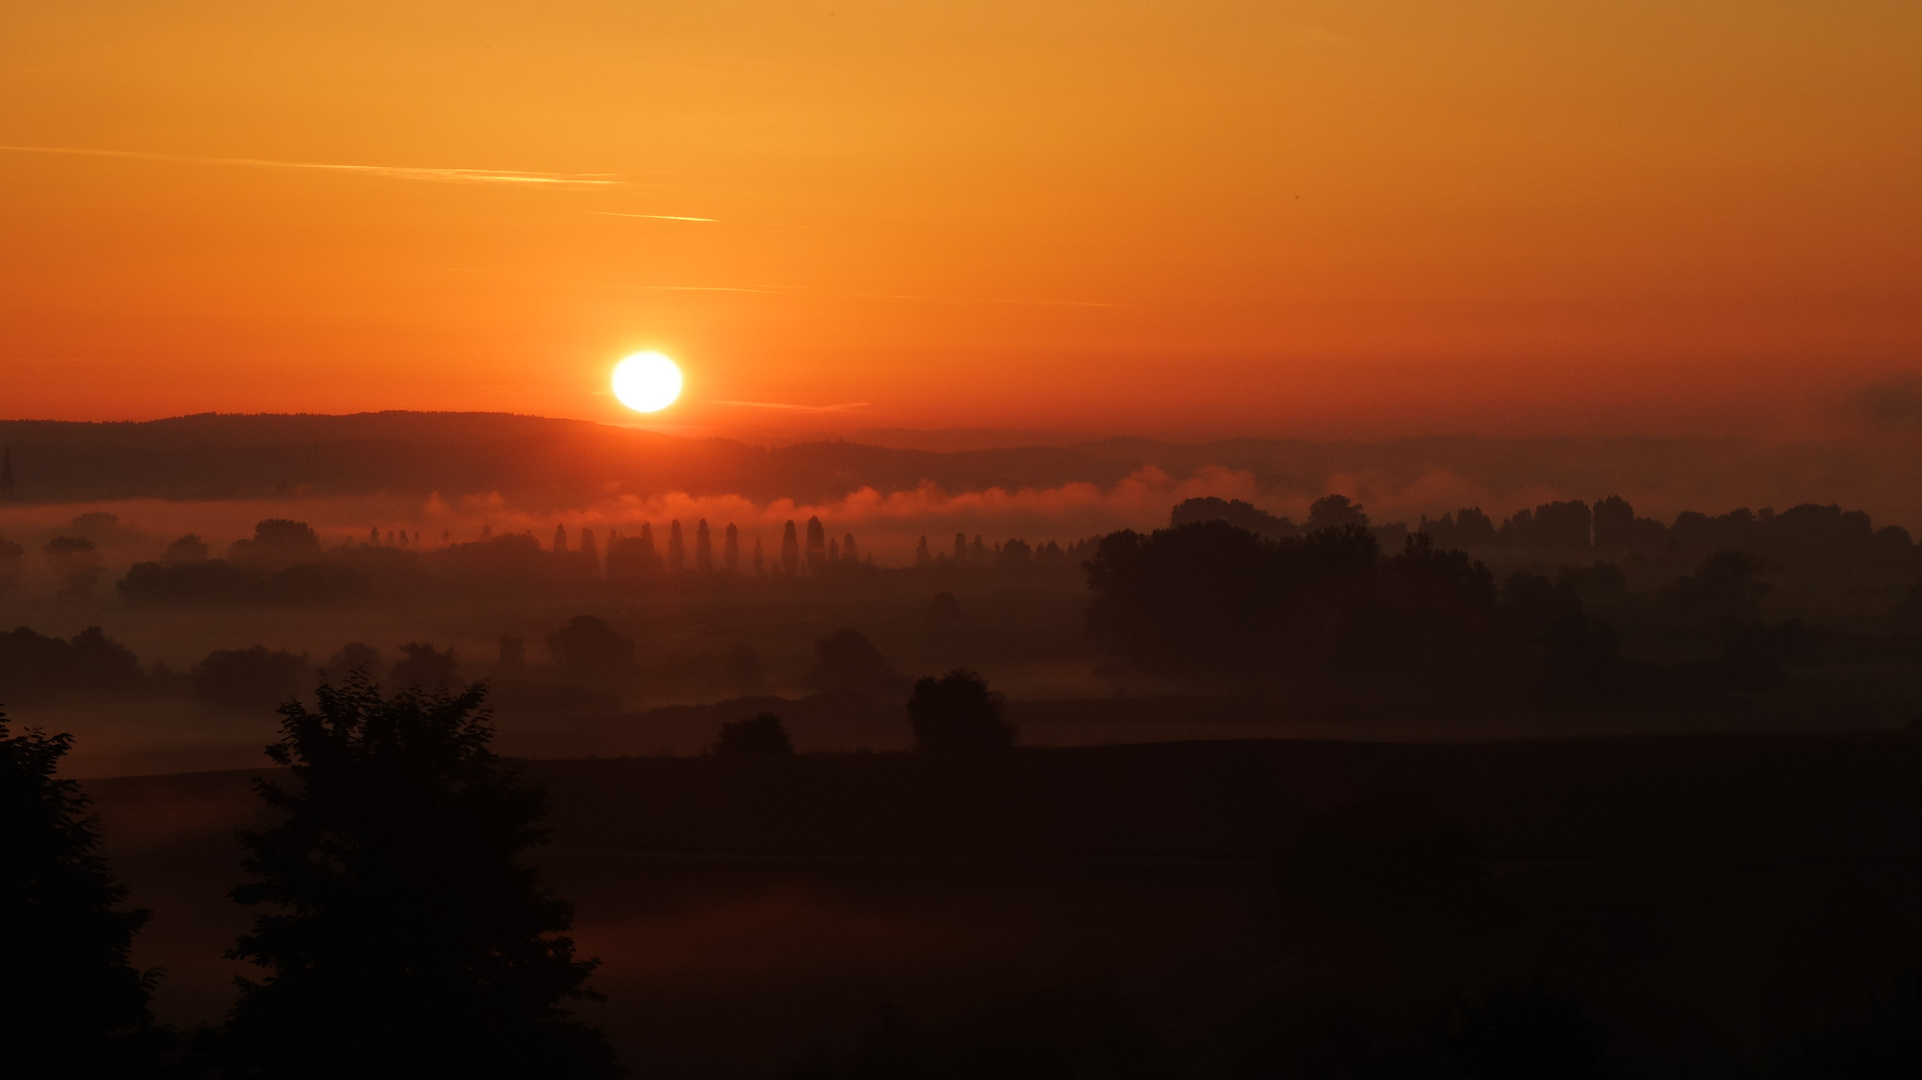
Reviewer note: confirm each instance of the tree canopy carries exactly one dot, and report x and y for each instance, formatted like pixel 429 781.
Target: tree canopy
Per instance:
pixel 407 939
pixel 71 1004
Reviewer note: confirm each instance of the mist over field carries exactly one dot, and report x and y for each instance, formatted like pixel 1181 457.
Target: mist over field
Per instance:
pixel 733 664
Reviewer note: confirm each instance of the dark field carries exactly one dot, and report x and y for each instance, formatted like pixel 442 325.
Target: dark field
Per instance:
pixel 1712 898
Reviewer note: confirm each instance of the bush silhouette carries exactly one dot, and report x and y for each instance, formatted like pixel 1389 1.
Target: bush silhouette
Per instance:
pixel 409 939
pixel 253 678
pixel 424 666
pixel 944 610
pixel 90 660
pixel 756 737
pixel 956 714
pixel 846 660
pixel 75 564
pixel 353 655
pixel 588 647
pixel 188 549
pixel 70 1003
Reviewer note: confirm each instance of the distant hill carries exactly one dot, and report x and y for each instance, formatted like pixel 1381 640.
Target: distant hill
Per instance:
pixel 535 459
pixel 538 462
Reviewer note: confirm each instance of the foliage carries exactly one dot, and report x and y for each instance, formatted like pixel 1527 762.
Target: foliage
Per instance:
pixel 956 714
pixel 846 659
pixel 70 1002
pixel 409 940
pixel 423 666
pixel 90 660
pixel 254 678
pixel 588 647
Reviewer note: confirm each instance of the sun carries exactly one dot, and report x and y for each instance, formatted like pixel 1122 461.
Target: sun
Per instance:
pixel 647 382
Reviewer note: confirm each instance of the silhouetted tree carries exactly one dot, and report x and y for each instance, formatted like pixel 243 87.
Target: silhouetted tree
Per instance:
pixel 1189 599
pixel 756 737
pixel 11 557
pixel 1235 512
pixel 1596 581
pixel 848 550
pixel 790 550
pixel 731 549
pixel 1016 555
pixel 978 552
pixel 277 542
pixel 560 540
pixel 408 938
pixel 587 646
pixel 424 667
pixel 1556 526
pixel 1727 581
pixel 75 564
pixel 90 661
pixel 703 548
pixel 960 548
pixel 71 1005
pixel 512 655
pixel 922 558
pixel 353 656
pixel 742 667
pixel 957 714
pixel 846 659
pixel 1467 527
pixel 588 556
pixel 944 610
pixel 1619 532
pixel 817 550
pixel 187 550
pixel 676 550
pixel 1335 512
pixel 254 678
pixel 633 559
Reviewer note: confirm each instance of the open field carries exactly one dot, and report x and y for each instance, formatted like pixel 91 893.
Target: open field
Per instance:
pixel 1706 893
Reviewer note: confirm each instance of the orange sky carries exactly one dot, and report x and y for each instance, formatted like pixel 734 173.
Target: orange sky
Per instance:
pixel 1250 217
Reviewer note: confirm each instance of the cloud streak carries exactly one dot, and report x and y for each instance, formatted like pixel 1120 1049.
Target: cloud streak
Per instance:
pixel 392 172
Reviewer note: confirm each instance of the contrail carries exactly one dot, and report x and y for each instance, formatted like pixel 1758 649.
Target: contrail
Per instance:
pixel 796 290
pixel 397 172
pixel 655 217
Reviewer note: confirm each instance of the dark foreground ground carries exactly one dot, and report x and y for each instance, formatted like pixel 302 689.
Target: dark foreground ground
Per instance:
pixel 1714 900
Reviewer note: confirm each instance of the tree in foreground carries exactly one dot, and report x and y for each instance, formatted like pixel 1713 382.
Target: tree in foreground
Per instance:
pixel 70 1003
pixel 956 714
pixel 409 940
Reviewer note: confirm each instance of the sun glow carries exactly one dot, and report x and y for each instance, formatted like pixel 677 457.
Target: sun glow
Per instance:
pixel 647 382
